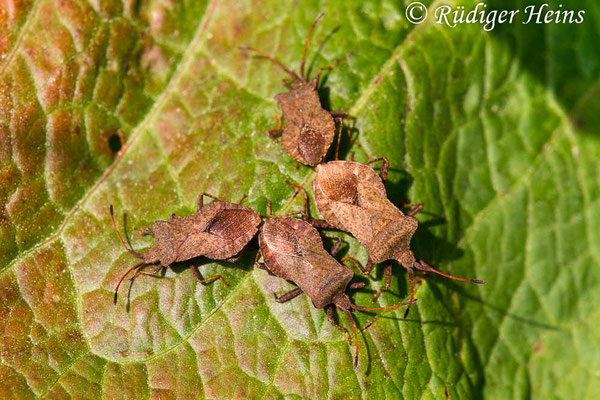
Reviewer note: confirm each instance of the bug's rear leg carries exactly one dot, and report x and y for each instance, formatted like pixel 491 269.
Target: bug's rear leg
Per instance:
pixel 366 270
pixel 338 113
pixel 339 137
pixel 260 265
pixel 416 209
pixel 329 311
pixel 367 326
pixel 201 199
pixel 336 246
pixel 388 280
pixel 356 263
pixel 357 285
pixel 207 280
pixel 383 172
pixel 287 296
pixel 369 267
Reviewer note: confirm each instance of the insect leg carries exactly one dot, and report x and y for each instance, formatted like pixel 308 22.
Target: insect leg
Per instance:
pixel 367 326
pixel 287 296
pixel 153 273
pixel 355 262
pixel 279 122
pixel 274 133
pixel 369 267
pixel 417 208
pixel 299 189
pixel 388 280
pixel 339 137
pixel 329 311
pixel 357 285
pixel 207 280
pixel 336 246
pixel 338 113
pixel 319 223
pixel 201 199
pixel 260 265
pixel 383 172
pixel 242 199
pixel 143 231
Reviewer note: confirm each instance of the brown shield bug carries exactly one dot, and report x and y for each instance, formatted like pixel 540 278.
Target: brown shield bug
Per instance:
pixel 292 249
pixel 218 231
pixel 352 197
pixel 309 129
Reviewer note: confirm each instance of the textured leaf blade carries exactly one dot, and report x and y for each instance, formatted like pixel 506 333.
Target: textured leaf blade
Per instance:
pixel 470 131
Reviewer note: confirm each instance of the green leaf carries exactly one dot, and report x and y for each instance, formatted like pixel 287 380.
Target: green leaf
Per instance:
pixel 144 105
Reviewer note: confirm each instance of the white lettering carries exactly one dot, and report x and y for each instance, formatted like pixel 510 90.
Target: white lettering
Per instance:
pixel 441 14
pixel 512 15
pixel 472 15
pixel 490 21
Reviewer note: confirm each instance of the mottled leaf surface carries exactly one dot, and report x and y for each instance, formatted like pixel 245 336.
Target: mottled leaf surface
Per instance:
pixel 146 104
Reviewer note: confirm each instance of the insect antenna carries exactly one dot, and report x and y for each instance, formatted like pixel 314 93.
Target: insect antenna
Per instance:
pixel 423 266
pixel 349 314
pixel 306 44
pixel 273 60
pixel 138 265
pixel 131 251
